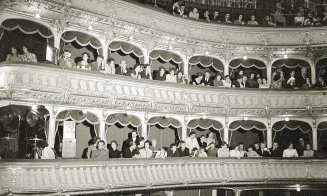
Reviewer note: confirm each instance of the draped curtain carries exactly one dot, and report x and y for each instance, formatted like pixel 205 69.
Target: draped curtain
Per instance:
pixel 291 63
pixel 27 27
pixel 292 125
pixel 82 39
pixel 322 126
pixel 207 61
pixel 249 63
pixel 165 56
pixel 126 48
pixel 164 122
pixel 322 137
pixel 205 124
pixel 123 119
pixel 78 116
pixel 321 63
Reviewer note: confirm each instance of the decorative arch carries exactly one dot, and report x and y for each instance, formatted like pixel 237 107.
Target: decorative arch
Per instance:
pixel 166 58
pixel 78 116
pixel 321 68
pixel 322 137
pixel 249 66
pixel 207 61
pixel 164 122
pixel 81 38
pixel 126 47
pixel 247 131
pixel 123 119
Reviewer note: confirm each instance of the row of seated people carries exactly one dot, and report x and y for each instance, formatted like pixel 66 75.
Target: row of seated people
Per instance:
pixel 137 147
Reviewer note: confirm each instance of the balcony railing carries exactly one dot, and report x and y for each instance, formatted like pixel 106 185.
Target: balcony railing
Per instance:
pixel 87 176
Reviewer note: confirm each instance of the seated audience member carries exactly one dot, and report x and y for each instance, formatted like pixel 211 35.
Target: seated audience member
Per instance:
pixel 310 20
pixel 299 19
pixel 275 150
pixel 264 83
pixel 210 138
pixel 171 77
pixel 290 152
pixel 202 141
pixel 245 83
pixel 223 151
pixel 183 150
pixel 259 82
pixel 101 152
pixel 194 14
pixel 267 22
pixel 27 56
pixel 277 78
pixel 218 81
pixel 161 75
pixel 240 20
pixel 240 73
pixel 206 16
pixel 146 152
pixel 227 19
pixel 176 7
pixel 238 82
pixel 98 64
pixel 300 147
pixel 235 152
pixel 140 144
pixel 308 152
pixel 252 82
pixel 215 17
pixel 122 69
pixel 301 78
pixel 324 18
pixel 154 146
pixel 307 85
pixel 212 151
pixel 198 80
pixel 180 77
pixel 130 151
pixel 172 151
pixel 147 73
pixel 207 80
pixel 252 153
pixel 13 55
pixel 65 60
pixel 242 149
pixel 194 152
pixel 227 82
pixel 256 146
pixel 92 146
pixel 252 21
pixel 85 63
pixel 320 83
pixel 263 151
pixel 191 141
pixel 132 137
pixel 136 71
pixel 113 151
pixel 109 67
pixel 46 151
pixel 202 152
pixel 162 153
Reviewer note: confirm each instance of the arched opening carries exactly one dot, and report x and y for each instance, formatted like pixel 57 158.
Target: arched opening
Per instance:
pixel 20 32
pixel 322 139
pixel 205 63
pixel 71 125
pixel 205 126
pixel 119 126
pixel 21 130
pixel 165 130
pixel 286 132
pixel 321 69
pixel 78 42
pixel 120 50
pixel 166 59
pixel 289 65
pixel 247 132
pixel 248 67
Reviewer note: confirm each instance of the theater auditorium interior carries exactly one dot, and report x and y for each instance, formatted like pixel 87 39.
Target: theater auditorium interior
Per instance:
pixel 163 97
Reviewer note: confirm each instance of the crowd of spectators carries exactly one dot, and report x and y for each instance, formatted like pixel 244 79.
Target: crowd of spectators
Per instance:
pixel 286 13
pixel 203 146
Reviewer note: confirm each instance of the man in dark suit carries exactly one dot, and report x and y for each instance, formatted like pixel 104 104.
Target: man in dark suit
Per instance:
pixel 132 137
pixel 237 83
pixel 275 150
pixel 172 151
pixel 183 150
pixel 300 147
pixel 201 141
pixel 300 80
pixel 130 151
pixel 207 80
pixel 263 150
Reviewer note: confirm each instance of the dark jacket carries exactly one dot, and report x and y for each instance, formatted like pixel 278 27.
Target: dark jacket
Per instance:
pixel 184 153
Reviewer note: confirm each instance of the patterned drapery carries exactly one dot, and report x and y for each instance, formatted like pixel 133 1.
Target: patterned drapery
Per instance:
pixel 123 119
pixel 249 63
pixel 292 125
pixel 27 27
pixel 165 56
pixel 207 61
pixel 291 63
pixel 247 125
pixel 322 126
pixel 322 63
pixel 78 116
pixel 164 122
pixel 205 124
pixel 82 39
pixel 126 48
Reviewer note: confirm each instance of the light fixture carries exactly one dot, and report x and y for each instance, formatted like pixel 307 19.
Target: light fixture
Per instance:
pixel 285 56
pixel 34 107
pixel 287 119
pixel 204 117
pixel 128 113
pixel 206 53
pixel 298 188
pixel 84 111
pixel 245 118
pixel 37 16
pixel 170 47
pixel 131 38
pixel 167 115
pixel 90 27
pixel 245 57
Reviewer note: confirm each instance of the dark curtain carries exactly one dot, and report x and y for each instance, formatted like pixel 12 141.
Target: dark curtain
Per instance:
pixel 248 137
pixel 287 136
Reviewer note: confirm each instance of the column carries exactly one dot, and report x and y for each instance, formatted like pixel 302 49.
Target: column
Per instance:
pixel 213 192
pixel 226 68
pixel 186 70
pixel 56 41
pixel 146 57
pixel 184 128
pixel 52 126
pixel 105 50
pixel 269 66
pixel 269 133
pixel 102 129
pixel 314 137
pixel 226 130
pixel 169 193
pixel 313 72
pixel 237 191
pixel 144 121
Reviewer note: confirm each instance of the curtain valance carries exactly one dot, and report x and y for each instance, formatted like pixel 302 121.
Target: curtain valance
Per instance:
pixel 165 56
pixel 247 125
pixel 322 126
pixel 164 122
pixel 123 119
pixel 82 39
pixel 207 61
pixel 205 124
pixel 291 63
pixel 322 63
pixel 249 63
pixel 78 116
pixel 27 27
pixel 292 125
pixel 126 48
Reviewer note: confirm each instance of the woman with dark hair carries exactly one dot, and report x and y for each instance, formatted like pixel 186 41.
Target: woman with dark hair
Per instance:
pixel 27 56
pixel 92 146
pixel 101 151
pixel 161 75
pixel 47 152
pixel 209 138
pixel 136 72
pixel 171 77
pixel 85 63
pixel 146 152
pixel 290 151
pixel 199 79
pixel 224 150
pixel 180 77
pixel 147 72
pixel 13 56
pixel 113 151
pixel 218 81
